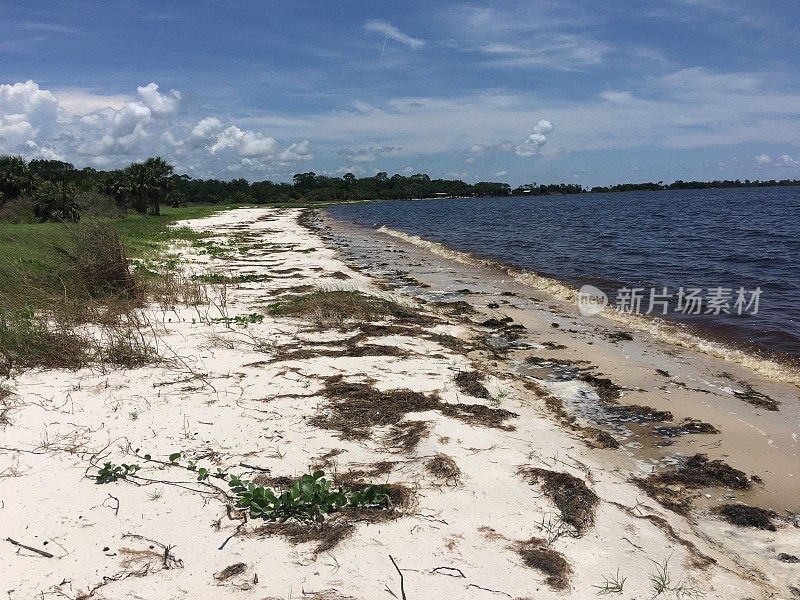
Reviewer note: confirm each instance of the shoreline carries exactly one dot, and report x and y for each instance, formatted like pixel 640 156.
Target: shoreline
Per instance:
pixel 779 365
pixel 685 391
pixel 477 464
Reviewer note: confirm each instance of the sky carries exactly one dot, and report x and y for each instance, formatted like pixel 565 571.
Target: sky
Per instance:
pixel 574 91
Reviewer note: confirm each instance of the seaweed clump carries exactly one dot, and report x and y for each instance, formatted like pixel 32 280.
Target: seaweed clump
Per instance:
pixel 699 472
pixel 743 515
pixel 669 488
pixel 537 555
pixel 576 502
pixel 686 426
pixel 469 382
pixel 445 469
pixel 356 408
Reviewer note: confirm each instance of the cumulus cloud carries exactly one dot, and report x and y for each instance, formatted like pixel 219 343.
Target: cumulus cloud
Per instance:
pixel 109 131
pixel 213 135
pixel 354 169
pixel 763 159
pixel 393 33
pixel 27 113
pixel 536 140
pixel 481 149
pixel 298 151
pixel 158 103
pixel 77 102
pixel 243 142
pixel 502 173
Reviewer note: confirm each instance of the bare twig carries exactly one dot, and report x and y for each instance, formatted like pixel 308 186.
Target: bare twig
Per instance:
pixel 402 582
pixel 31 548
pixel 449 571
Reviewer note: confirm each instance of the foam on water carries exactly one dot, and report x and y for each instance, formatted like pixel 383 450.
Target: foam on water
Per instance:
pixel 667 332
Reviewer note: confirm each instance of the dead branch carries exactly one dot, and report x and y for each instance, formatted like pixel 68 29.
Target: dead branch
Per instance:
pixel 31 548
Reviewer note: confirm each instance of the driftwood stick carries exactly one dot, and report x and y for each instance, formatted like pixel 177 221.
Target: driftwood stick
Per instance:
pixel 402 582
pixel 32 549
pixel 254 467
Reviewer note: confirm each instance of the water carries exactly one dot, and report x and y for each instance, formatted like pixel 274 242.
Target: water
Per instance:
pixel 733 238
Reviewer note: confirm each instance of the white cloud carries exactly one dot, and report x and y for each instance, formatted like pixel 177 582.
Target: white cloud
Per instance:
pixel 502 173
pixel 298 151
pixel 369 153
pixel 76 102
pixel 533 144
pixel 207 127
pixel 564 52
pixel 245 143
pixel 160 104
pixel 111 130
pixel 543 127
pixel 26 113
pixel 763 159
pixel 392 32
pixel 354 169
pixel 787 162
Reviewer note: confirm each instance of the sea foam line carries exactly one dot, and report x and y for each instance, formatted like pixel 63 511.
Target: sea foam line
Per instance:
pixel 657 328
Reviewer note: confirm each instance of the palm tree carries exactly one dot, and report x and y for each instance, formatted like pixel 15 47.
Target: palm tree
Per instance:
pixel 147 183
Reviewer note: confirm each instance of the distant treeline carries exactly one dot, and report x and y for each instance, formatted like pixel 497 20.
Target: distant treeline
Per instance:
pixel 52 190
pixel 694 185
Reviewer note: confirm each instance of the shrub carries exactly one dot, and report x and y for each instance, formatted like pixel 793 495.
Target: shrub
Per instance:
pixel 308 498
pixel 19 210
pixel 57 202
pixel 97 262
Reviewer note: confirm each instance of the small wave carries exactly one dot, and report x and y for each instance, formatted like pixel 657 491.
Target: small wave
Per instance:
pixel 659 329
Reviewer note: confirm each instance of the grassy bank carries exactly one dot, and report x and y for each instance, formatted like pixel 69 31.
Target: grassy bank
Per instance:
pixel 55 276
pixel 37 261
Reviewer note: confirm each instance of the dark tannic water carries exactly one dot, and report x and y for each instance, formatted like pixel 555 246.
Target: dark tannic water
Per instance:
pixel 706 239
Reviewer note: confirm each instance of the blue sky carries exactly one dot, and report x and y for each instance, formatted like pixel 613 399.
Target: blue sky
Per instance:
pixel 576 91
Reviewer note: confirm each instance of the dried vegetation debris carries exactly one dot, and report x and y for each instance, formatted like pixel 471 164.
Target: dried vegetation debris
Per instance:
pixel 671 487
pixel 536 554
pixel 356 408
pixel 743 515
pixel 469 382
pixel 575 501
pixel 444 469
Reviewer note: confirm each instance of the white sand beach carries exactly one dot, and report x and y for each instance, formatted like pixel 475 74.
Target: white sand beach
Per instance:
pixel 495 491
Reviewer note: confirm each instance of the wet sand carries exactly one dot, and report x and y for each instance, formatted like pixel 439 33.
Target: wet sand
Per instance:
pixel 651 372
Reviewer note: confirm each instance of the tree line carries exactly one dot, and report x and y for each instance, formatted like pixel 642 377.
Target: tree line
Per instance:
pixel 694 185
pixel 53 190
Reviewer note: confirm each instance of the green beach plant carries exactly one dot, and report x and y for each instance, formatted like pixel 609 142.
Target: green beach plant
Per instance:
pixel 307 499
pixel 110 472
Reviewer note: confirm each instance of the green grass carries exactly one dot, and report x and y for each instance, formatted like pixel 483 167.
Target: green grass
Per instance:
pixel 33 271
pixel 144 236
pixel 32 265
pixel 29 251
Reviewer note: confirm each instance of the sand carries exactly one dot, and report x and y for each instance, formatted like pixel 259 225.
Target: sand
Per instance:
pixel 230 395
